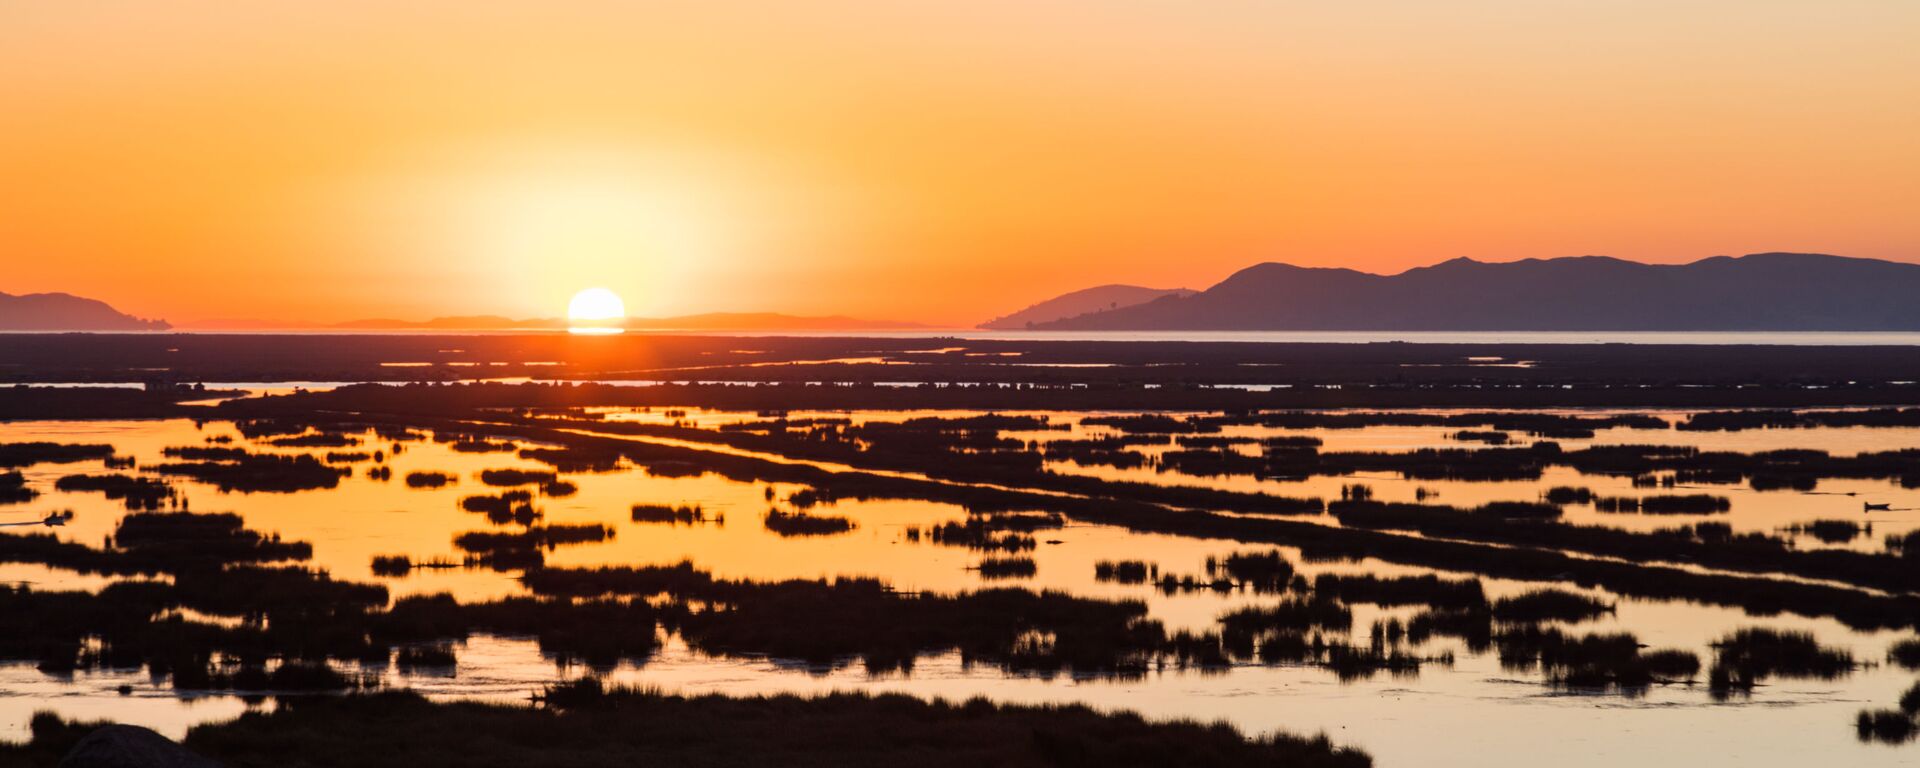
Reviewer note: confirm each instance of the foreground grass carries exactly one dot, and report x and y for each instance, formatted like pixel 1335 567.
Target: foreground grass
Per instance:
pixel 584 725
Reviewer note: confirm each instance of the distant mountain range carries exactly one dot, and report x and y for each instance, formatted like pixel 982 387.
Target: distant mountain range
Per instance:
pixel 1759 292
pixel 1099 299
pixel 65 312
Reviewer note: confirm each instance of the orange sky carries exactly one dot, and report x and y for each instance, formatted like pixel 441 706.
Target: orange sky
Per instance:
pixel 931 160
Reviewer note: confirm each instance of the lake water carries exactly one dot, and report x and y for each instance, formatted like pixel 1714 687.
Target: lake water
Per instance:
pixel 1472 712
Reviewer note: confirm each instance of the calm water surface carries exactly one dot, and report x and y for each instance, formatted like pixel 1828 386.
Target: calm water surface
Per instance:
pixel 1471 712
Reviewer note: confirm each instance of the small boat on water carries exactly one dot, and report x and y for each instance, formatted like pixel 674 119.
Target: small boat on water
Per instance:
pixel 58 518
pixel 1881 507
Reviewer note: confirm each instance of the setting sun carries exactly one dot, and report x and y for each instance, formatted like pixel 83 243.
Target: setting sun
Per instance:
pixel 596 310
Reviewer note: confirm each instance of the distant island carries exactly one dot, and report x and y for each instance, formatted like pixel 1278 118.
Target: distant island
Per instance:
pixel 1758 292
pixel 66 312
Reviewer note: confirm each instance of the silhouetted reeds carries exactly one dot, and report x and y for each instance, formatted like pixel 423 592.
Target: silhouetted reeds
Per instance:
pixel 1750 655
pixel 515 506
pixel 1125 571
pixel 136 492
pixel 1549 605
pixel 259 473
pixel 1693 504
pixel 1906 653
pixel 685 514
pixel 507 478
pixel 1830 531
pixel 315 440
pixel 14 490
pixel 430 479
pixel 1887 726
pixel 30 453
pixel 1401 590
pixel 798 523
pixel 1006 568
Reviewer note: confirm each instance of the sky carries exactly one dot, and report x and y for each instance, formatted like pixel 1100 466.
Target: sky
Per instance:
pixel 940 161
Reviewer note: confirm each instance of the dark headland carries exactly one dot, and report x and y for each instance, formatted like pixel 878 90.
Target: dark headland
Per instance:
pixel 66 312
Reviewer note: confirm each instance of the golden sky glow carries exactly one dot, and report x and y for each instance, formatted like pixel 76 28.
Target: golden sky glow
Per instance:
pixel 934 161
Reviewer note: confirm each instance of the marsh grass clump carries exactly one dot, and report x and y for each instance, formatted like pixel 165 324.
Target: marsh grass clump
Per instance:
pixel 575 458
pixel 498 501
pixel 205 453
pixel 479 445
pixel 1910 700
pixel 1887 726
pixel 201 540
pixel 1489 437
pixel 1005 532
pixel 1830 531
pixel 1564 495
pixel 138 493
pixel 685 514
pixel 558 489
pixel 1006 568
pixel 1518 510
pixel 1125 571
pixel 1591 661
pixel 1690 504
pixel 799 523
pixel 1027 522
pixel 533 537
pixel 507 478
pixel 14 490
pixel 1753 654
pixel 1268 571
pixel 1905 653
pixel 392 565
pixel 1402 590
pixel 430 479
pixel 1153 424
pixel 251 472
pixel 1293 614
pixel 31 453
pixel 315 440
pixel 1549 605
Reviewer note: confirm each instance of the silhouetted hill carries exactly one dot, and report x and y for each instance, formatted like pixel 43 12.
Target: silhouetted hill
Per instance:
pixel 1760 292
pixel 66 312
pixel 1099 299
